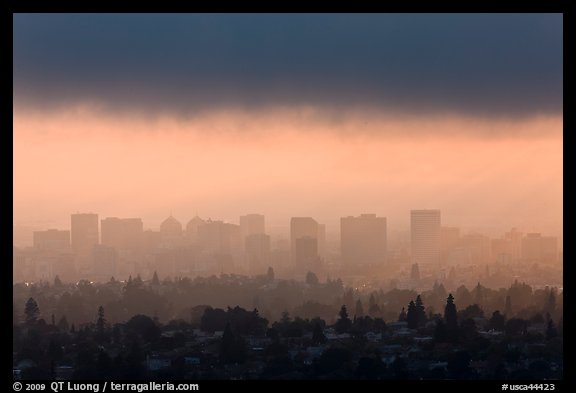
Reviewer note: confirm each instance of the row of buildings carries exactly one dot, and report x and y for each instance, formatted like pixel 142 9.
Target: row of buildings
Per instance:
pixel 120 246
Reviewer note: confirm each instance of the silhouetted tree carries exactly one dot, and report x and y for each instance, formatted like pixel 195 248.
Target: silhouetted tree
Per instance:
pixel 348 298
pixel 508 310
pixel 402 317
pixel 550 305
pixel 318 336
pixel 450 313
pixel 359 309
pixel 57 282
pixel 420 311
pixel 101 321
pixel 55 351
pixel 270 274
pixel 497 321
pixel 479 294
pixel 31 312
pixel 440 332
pixel 472 311
pixel 551 331
pixel 311 278
pixel 343 324
pixel 155 279
pixel 412 316
pixel 145 327
pixel 415 273
pixel 232 347
pixel 515 326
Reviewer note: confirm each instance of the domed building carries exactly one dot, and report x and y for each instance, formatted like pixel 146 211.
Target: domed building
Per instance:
pixel 171 227
pixel 171 232
pixel 192 228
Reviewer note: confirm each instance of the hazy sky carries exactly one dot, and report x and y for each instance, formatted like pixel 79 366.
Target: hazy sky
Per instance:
pixel 289 115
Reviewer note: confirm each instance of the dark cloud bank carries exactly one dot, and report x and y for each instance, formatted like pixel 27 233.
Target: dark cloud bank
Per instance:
pixel 474 64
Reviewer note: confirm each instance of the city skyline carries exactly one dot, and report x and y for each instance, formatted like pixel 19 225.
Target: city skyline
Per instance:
pixel 279 229
pixel 297 196
pixel 311 115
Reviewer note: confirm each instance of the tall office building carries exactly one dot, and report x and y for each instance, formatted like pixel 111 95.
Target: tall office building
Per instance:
pixel 538 248
pixel 218 237
pixel 300 228
pixel 322 240
pixel 425 236
pixel 84 233
pixel 252 224
pixel 122 233
pixel 52 240
pixel 363 240
pixel 257 252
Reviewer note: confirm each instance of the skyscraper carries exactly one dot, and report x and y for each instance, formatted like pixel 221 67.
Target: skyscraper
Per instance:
pixel 252 224
pixel 303 227
pixel 52 240
pixel 257 252
pixel 363 240
pixel 121 233
pixel 425 236
pixel 84 233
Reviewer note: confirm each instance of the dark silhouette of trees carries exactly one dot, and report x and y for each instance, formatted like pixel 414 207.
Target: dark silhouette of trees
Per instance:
pixel 348 298
pixel 232 347
pixel 359 309
pixel 370 367
pixel 155 279
pixel 420 311
pixel 311 279
pixel 550 305
pixel 63 324
pixel 318 336
pixel 402 316
pixel 551 331
pixel 450 314
pixel 144 327
pixel 399 368
pixel 244 322
pixel 441 332
pixel 101 321
pixel 101 326
pixel 270 274
pixel 459 365
pixel 373 307
pixel 516 326
pixel 497 321
pixel 508 310
pixel 412 316
pixel 472 311
pixel 343 324
pixel 332 359
pixel 213 319
pixel 31 312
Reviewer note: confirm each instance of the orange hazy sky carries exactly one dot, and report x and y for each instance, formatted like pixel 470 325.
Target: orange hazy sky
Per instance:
pixel 283 162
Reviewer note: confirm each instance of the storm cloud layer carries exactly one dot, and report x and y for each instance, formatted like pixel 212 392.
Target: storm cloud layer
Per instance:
pixel 470 64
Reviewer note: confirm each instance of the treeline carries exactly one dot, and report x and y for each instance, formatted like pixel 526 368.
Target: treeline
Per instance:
pixel 103 350
pixel 186 299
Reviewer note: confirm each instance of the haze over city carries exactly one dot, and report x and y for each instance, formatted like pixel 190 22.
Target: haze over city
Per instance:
pixel 322 115
pixel 248 196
